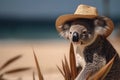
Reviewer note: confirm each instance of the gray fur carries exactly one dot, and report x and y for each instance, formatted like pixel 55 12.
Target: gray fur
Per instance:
pixel 91 68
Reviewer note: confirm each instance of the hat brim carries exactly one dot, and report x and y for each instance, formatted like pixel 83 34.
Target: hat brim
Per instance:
pixel 68 17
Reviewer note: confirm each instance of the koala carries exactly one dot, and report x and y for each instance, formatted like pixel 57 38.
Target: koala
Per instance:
pixel 91 47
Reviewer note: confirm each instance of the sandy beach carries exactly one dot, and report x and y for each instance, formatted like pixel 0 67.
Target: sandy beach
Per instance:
pixel 49 53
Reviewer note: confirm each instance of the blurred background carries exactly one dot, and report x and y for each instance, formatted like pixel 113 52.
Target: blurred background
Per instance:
pixel 27 24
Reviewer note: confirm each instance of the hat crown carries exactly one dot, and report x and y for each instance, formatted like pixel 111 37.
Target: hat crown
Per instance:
pixel 86 10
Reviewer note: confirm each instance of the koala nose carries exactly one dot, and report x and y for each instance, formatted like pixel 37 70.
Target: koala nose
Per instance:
pixel 75 37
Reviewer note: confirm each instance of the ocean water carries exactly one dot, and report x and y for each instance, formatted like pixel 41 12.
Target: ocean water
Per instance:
pixel 28 30
pixel 31 29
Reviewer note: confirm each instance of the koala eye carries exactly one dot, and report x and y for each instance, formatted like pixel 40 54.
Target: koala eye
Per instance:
pixel 84 31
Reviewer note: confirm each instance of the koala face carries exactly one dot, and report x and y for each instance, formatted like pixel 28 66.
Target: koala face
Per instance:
pixel 79 31
pixel 84 31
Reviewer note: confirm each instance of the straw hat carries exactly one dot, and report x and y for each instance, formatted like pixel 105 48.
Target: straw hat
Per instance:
pixel 86 12
pixel 83 11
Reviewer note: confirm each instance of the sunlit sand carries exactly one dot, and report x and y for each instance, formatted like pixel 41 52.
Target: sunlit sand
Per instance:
pixel 49 53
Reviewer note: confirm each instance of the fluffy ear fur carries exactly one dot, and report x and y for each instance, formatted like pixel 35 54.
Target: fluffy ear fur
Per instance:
pixel 65 30
pixel 103 26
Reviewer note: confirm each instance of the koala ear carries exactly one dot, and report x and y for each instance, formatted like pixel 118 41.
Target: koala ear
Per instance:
pixel 64 30
pixel 63 27
pixel 103 26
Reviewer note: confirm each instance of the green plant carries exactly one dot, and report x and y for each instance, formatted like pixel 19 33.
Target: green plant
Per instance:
pixel 40 76
pixel 16 70
pixel 69 72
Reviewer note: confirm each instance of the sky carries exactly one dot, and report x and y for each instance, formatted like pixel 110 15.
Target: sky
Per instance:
pixel 37 10
pixel 50 8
